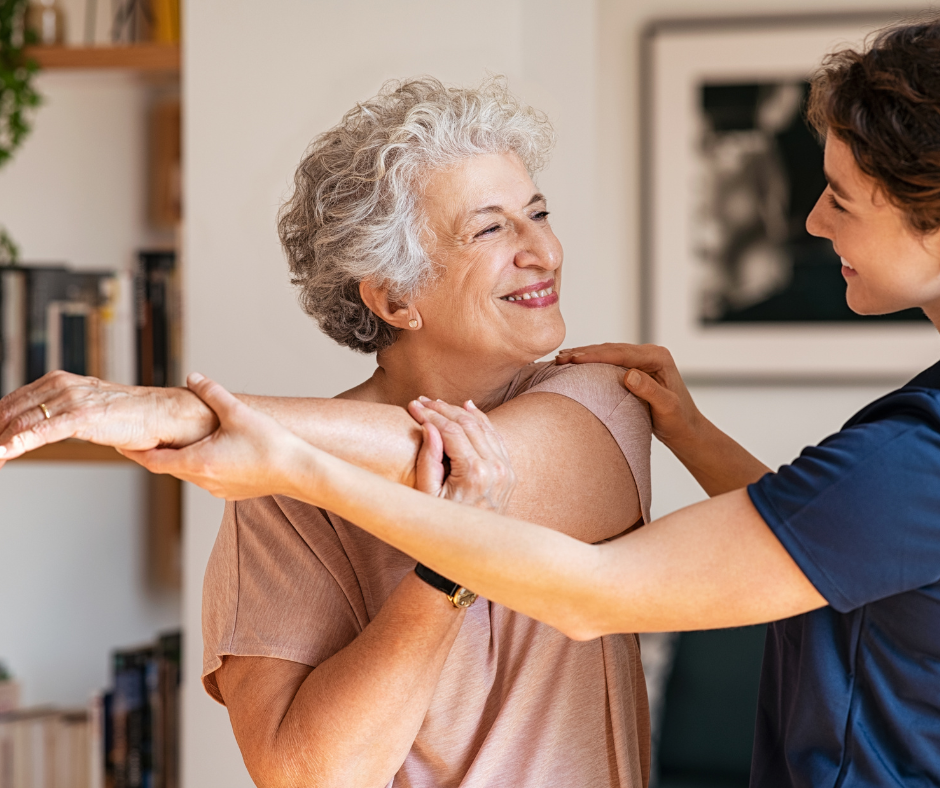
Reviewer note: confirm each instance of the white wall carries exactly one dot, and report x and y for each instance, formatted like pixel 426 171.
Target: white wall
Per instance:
pixel 261 81
pixel 73 569
pixel 72 537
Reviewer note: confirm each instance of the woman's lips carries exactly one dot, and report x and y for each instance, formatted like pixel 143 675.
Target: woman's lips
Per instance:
pixel 847 270
pixel 534 296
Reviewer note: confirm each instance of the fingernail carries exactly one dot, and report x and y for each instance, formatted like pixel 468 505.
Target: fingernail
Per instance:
pixel 471 406
pixel 424 399
pixel 3 450
pixel 633 378
pixel 417 402
pixel 195 377
pixel 440 400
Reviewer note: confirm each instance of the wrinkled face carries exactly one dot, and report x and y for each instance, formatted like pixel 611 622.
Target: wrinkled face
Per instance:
pixel 496 296
pixel 887 266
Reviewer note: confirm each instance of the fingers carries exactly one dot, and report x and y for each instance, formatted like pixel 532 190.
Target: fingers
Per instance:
pixel 154 460
pixel 454 437
pixel 215 395
pixel 20 411
pixel 651 358
pixel 430 465
pixel 31 430
pixel 661 400
pixel 473 424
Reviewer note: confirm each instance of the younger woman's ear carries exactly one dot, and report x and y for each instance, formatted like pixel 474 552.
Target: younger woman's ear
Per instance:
pixel 376 298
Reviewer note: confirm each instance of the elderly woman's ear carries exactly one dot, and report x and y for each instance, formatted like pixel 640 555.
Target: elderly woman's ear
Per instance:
pixel 398 315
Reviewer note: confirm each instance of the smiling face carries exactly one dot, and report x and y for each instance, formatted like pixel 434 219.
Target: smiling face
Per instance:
pixel 887 265
pixel 496 297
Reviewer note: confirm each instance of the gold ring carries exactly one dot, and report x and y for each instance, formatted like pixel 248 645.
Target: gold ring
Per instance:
pixel 45 411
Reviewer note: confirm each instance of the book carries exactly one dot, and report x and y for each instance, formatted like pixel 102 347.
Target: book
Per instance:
pixel 44 747
pixel 12 329
pixel 83 322
pixel 46 286
pixel 143 748
pixel 158 319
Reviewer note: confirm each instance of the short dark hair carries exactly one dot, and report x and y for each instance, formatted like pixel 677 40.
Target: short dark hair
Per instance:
pixel 884 103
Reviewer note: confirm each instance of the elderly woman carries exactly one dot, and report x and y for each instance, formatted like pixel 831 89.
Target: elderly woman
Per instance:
pixel 415 232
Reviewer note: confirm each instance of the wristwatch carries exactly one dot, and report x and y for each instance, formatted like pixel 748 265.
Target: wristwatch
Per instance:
pixel 457 594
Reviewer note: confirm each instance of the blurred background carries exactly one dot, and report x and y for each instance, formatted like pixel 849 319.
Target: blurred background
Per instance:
pixel 158 172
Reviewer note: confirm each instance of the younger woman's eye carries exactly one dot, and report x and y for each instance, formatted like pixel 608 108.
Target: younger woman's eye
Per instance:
pixel 540 215
pixel 835 204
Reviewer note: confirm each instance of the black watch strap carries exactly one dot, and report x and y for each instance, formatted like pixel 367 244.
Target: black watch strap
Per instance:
pixel 432 578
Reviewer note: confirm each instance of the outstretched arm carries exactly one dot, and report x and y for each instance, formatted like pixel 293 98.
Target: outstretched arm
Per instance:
pixel 718 462
pixel 714 564
pixel 380 438
pixel 589 495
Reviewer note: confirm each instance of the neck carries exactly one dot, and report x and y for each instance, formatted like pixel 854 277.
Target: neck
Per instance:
pixel 407 371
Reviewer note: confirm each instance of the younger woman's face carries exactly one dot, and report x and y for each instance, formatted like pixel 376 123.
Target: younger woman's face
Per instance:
pixel 887 266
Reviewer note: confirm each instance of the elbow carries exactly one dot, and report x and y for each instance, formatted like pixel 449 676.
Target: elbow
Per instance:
pixel 579 624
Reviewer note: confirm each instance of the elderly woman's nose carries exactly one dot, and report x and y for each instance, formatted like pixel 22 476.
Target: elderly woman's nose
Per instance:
pixel 539 250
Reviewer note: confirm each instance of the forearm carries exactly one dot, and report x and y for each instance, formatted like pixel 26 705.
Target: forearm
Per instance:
pixel 354 718
pixel 715 564
pixel 718 462
pixel 383 439
pixel 515 561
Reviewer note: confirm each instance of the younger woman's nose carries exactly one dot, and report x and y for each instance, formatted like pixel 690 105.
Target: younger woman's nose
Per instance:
pixel 816 222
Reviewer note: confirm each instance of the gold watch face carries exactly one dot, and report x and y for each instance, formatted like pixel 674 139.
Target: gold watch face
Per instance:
pixel 463 598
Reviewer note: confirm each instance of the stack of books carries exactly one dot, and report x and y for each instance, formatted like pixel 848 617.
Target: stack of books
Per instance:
pixel 117 326
pixel 128 738
pixel 45 748
pixel 140 717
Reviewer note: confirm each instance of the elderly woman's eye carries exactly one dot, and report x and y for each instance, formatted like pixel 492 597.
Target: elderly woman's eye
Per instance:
pixel 540 215
pixel 488 231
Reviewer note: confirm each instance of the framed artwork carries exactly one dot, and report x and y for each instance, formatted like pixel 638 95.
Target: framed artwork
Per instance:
pixel 734 285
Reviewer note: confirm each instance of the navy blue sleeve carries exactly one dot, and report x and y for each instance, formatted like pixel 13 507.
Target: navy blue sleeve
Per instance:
pixel 860 513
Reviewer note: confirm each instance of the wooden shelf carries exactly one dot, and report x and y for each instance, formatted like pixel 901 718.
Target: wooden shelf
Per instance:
pixel 148 58
pixel 73 451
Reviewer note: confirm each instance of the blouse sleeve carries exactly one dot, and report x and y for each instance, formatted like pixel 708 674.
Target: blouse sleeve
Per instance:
pixel 278 584
pixel 600 389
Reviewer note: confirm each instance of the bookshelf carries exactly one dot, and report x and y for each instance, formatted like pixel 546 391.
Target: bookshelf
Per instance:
pixel 108 532
pixel 73 451
pixel 143 58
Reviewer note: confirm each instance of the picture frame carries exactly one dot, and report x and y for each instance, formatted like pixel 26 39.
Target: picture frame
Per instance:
pixel 732 283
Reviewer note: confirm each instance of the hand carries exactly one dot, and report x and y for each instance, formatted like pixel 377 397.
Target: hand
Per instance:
pixel 480 472
pixel 652 377
pixel 248 456
pixel 126 417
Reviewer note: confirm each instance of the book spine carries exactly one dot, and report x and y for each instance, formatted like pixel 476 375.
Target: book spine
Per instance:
pixel 13 320
pixel 120 330
pixel 53 350
pixel 97 754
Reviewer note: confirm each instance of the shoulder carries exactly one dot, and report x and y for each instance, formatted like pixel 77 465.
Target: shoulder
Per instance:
pixel 912 402
pixel 599 387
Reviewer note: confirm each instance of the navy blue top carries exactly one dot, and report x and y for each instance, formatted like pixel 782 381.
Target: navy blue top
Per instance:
pixel 850 693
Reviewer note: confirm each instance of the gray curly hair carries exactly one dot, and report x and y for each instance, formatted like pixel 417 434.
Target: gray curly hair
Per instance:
pixel 353 214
